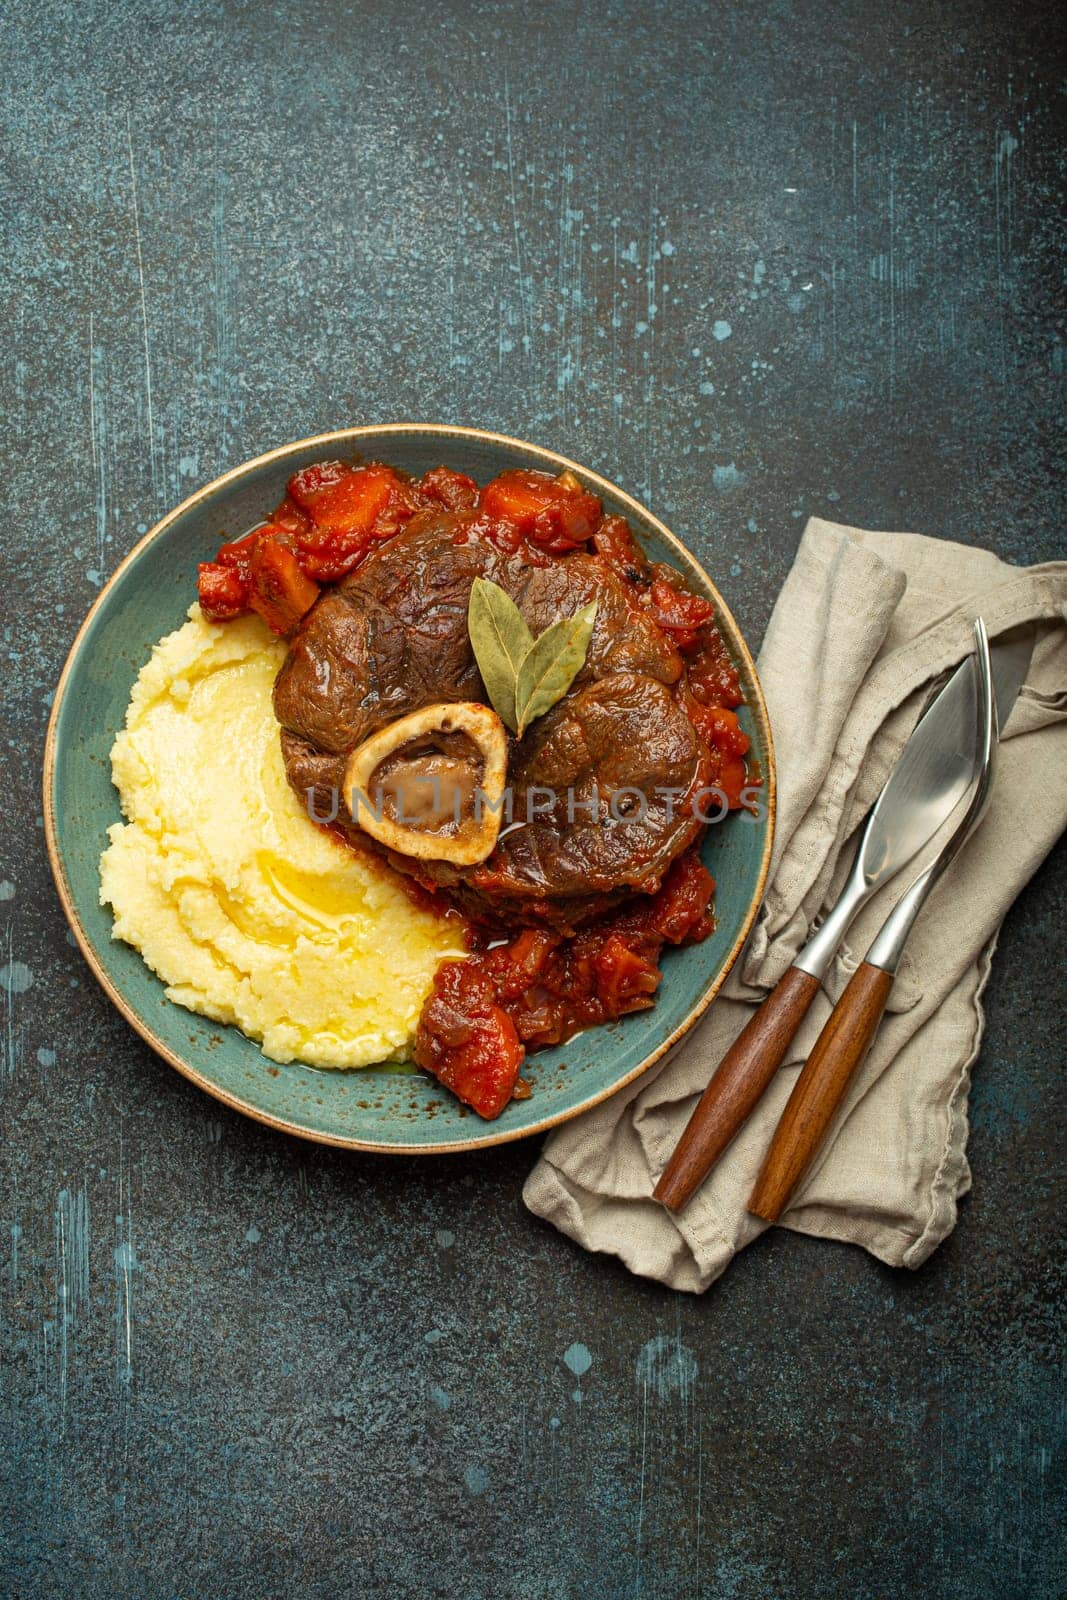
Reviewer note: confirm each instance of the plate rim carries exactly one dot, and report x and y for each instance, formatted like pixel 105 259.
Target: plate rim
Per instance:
pixel 757 708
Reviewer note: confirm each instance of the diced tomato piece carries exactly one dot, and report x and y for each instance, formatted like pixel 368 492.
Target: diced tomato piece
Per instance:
pixel 515 966
pixel 467 1041
pixel 722 730
pixel 222 592
pixel 680 613
pixel 680 911
pixel 238 553
pixel 505 535
pixel 289 517
pixel 349 509
pixel 626 981
pixel 732 777
pixel 551 514
pixel 327 556
pixel 405 498
pixel 614 541
pixel 453 490
pixel 280 591
pixel 711 674
pixel 728 742
pixel 342 498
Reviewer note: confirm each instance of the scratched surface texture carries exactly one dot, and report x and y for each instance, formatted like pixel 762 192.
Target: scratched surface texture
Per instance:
pixel 755 261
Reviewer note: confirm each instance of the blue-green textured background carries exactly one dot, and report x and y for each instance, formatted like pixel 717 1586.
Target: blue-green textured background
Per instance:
pixel 754 261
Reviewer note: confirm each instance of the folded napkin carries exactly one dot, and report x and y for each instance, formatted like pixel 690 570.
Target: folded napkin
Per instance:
pixel 865 624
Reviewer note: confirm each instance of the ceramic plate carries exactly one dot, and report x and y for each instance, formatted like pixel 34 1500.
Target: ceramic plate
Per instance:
pixel 386 1109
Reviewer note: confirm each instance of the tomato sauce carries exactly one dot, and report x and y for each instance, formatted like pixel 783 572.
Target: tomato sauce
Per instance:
pixel 541 988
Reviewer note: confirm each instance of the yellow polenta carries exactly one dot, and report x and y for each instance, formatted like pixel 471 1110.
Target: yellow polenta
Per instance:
pixel 248 912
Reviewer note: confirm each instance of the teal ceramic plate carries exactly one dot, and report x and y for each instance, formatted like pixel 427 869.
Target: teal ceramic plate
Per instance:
pixel 373 1109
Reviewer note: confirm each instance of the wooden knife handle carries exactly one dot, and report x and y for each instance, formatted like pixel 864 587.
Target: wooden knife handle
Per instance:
pixel 820 1088
pixel 740 1079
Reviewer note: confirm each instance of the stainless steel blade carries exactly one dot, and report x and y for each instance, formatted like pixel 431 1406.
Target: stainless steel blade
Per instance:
pixel 935 767
pixel 931 777
pixel 888 946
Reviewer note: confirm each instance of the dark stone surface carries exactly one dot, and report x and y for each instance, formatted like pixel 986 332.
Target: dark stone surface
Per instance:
pixel 235 1365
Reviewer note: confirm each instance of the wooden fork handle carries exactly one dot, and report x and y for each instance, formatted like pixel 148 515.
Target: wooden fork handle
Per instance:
pixel 820 1088
pixel 733 1093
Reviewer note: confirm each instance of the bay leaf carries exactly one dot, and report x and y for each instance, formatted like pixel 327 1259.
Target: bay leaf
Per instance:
pixel 551 665
pixel 500 640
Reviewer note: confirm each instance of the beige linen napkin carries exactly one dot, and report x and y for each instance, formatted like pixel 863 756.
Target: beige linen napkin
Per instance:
pixel 864 624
